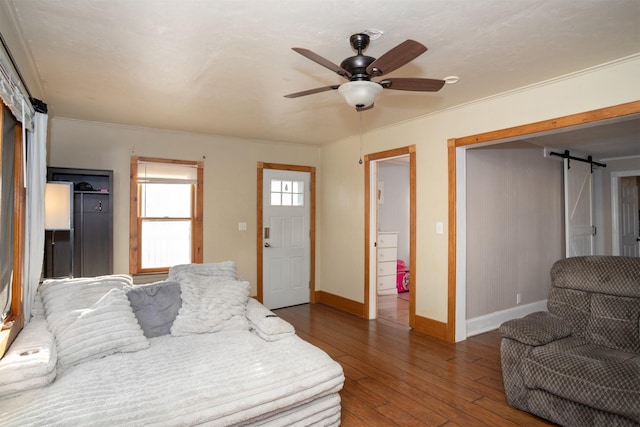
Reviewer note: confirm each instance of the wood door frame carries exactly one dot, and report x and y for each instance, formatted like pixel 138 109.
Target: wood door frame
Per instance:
pixel 403 151
pixel 453 144
pixel 312 224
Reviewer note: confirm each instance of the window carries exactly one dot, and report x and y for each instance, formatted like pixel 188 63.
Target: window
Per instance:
pixel 11 228
pixel 166 214
pixel 287 193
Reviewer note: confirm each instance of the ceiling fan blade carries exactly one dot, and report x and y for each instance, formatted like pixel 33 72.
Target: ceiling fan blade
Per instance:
pixel 414 84
pixel 312 91
pixel 405 52
pixel 322 61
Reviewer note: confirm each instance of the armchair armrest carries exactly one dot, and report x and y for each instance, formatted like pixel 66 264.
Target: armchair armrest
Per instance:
pixel 536 329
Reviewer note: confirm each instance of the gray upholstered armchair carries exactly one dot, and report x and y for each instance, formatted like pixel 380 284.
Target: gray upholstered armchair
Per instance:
pixel 579 363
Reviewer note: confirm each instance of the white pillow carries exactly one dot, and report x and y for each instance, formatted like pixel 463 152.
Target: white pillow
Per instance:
pixel 108 326
pixel 224 269
pixel 61 295
pixel 211 306
pixel 91 317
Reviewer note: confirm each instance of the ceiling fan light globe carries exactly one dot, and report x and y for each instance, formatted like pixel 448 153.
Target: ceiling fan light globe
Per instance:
pixel 360 93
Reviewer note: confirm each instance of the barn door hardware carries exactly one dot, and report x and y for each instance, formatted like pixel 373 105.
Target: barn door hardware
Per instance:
pixel 567 155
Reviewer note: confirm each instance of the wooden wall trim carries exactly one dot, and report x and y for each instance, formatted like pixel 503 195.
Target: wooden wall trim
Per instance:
pixel 259 225
pixel 432 328
pixel 451 253
pixel 627 109
pixel 198 219
pixel 367 240
pixel 344 304
pixel 413 221
pixel 12 325
pixel 134 251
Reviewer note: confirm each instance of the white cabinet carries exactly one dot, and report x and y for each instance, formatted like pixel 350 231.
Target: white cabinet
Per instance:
pixel 387 246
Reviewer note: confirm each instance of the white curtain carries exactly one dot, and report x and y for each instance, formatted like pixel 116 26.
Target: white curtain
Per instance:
pixel 36 179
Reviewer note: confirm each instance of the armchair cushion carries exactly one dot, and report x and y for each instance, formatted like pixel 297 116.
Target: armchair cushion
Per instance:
pixel 615 322
pixel 595 376
pixel 536 329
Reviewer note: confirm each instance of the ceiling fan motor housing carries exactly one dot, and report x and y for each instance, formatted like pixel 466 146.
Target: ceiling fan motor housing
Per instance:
pixel 357 65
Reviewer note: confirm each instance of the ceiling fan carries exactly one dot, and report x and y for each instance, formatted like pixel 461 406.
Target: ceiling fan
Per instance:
pixel 360 91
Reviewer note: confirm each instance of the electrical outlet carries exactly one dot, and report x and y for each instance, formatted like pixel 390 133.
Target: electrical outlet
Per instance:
pixel 518 298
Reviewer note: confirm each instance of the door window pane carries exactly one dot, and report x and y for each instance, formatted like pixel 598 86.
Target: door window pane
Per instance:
pixel 287 193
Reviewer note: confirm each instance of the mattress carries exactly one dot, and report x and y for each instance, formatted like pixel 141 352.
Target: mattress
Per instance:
pixel 226 378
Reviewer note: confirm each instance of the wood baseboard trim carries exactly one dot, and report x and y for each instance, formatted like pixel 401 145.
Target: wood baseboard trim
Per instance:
pixel 340 303
pixel 431 327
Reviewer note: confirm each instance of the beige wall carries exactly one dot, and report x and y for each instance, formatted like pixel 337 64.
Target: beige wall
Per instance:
pixel 514 225
pixel 230 174
pixel 343 181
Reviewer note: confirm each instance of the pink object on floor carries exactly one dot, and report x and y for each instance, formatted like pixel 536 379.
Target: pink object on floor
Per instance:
pixel 402 277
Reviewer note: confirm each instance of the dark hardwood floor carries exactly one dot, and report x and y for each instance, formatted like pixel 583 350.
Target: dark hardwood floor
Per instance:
pixel 399 377
pixel 393 308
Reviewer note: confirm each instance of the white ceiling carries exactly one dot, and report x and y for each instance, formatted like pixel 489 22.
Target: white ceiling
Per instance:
pixel 223 66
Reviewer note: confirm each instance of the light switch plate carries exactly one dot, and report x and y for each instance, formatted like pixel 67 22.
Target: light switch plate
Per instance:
pixel 439 228
pixel 242 226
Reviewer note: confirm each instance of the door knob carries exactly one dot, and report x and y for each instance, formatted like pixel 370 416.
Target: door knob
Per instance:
pixel 267 245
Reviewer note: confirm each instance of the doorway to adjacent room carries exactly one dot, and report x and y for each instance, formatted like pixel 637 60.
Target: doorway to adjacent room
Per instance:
pixel 390 240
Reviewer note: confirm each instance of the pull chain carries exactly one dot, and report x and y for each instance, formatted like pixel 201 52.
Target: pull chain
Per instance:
pixel 360 161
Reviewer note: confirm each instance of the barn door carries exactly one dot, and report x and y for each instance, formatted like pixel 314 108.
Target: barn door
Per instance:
pixel 578 208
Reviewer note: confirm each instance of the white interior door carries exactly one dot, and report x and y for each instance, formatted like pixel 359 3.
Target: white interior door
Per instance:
pixel 286 238
pixel 629 227
pixel 578 208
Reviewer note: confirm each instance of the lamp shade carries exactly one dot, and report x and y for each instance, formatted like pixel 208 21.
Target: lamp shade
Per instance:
pixel 58 198
pixel 360 93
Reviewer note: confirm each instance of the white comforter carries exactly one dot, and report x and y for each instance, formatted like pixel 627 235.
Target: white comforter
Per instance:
pixel 226 378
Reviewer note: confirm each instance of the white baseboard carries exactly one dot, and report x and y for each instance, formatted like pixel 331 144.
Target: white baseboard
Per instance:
pixel 491 321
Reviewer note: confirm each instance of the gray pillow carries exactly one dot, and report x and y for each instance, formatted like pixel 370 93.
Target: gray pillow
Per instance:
pixel 156 306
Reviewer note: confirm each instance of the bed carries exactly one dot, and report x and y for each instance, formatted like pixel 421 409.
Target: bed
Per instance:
pixel 253 371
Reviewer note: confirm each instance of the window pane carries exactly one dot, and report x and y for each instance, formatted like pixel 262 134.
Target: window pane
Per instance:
pixel 298 200
pixel 276 199
pixel 286 186
pixel 286 199
pixel 298 186
pixel 165 243
pixel 166 200
pixel 275 185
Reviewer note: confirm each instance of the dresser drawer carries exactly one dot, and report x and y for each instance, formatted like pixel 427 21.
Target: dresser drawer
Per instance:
pixel 386 268
pixel 386 283
pixel 387 254
pixel 387 240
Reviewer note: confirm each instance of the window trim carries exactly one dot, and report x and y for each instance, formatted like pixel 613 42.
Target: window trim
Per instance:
pixel 135 221
pixel 14 323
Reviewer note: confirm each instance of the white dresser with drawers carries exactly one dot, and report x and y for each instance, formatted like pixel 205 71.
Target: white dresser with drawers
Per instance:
pixel 387 246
